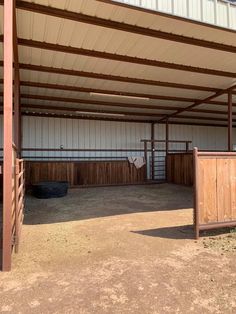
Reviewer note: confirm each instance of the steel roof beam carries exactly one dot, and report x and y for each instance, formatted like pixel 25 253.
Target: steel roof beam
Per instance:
pixel 123 58
pixel 97 21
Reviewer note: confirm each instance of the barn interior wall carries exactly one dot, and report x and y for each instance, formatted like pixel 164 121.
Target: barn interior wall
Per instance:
pixel 41 132
pixel 218 12
pixel 203 137
pixel 83 134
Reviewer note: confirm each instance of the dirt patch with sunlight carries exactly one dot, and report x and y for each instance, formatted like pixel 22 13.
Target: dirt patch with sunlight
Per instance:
pixel 119 250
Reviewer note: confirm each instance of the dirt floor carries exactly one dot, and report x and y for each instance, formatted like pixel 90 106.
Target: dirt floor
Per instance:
pixel 119 250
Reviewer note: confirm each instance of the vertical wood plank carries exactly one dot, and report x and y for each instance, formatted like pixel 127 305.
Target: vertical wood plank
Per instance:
pixel 233 188
pixel 223 189
pixel 207 191
pixel 85 173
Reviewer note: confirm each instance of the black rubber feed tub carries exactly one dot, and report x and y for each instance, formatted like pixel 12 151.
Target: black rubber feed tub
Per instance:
pixel 50 189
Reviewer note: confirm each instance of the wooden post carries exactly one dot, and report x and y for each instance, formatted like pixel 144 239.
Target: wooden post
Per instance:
pixel 7 134
pixel 167 146
pixel 153 149
pixel 230 122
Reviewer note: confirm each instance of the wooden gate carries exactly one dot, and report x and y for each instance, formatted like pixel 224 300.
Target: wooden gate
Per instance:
pixel 215 190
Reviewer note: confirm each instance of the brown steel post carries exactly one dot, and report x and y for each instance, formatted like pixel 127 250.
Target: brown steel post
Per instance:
pixel 7 134
pixel 17 209
pixel 230 122
pixel 196 196
pixel 17 109
pixel 167 145
pixel 187 147
pixel 153 149
pixel 146 157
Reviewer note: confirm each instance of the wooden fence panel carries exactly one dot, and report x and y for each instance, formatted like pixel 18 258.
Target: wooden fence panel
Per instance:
pixel 207 191
pixel 215 190
pixel 180 168
pixel 85 173
pixel 233 189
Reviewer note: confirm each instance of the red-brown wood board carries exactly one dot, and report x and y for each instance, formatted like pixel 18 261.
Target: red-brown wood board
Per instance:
pixel 180 168
pixel 84 173
pixel 215 190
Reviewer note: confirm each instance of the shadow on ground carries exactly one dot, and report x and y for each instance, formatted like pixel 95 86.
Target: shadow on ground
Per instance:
pixel 92 203
pixel 177 232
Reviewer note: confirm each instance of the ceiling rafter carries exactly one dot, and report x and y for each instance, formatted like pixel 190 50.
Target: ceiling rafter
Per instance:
pixel 133 80
pixel 128 105
pixel 81 117
pixel 124 113
pixel 108 77
pixel 103 91
pixel 160 97
pixel 138 60
pixel 51 107
pixel 198 102
pixel 88 90
pixel 123 58
pixel 118 112
pixel 97 21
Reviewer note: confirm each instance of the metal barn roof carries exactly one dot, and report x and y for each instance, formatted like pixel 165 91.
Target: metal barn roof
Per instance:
pixel 88 57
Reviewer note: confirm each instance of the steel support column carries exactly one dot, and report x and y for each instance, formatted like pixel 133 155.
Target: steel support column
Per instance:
pixel 17 105
pixel 230 122
pixel 167 144
pixel 7 134
pixel 153 150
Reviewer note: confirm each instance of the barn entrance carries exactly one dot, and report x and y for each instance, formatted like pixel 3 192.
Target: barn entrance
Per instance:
pixel 83 84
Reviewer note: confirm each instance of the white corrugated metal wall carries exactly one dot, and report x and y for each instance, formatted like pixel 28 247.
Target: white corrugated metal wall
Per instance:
pixel 218 12
pixel 205 138
pixel 51 133
pixel 41 132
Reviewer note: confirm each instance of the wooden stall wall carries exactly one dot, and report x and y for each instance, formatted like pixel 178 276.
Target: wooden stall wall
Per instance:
pixel 180 168
pixel 85 173
pixel 215 190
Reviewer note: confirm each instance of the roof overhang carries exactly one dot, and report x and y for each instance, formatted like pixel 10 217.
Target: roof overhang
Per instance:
pixel 107 59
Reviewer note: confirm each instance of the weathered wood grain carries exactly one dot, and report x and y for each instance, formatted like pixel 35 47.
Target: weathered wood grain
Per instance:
pixel 180 168
pixel 85 172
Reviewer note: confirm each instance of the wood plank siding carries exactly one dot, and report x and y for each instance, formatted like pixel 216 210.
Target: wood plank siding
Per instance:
pixel 180 168
pixel 217 190
pixel 215 187
pixel 85 172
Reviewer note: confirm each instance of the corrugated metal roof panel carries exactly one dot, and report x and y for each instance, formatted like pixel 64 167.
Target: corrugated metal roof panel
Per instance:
pixel 70 33
pixel 57 31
